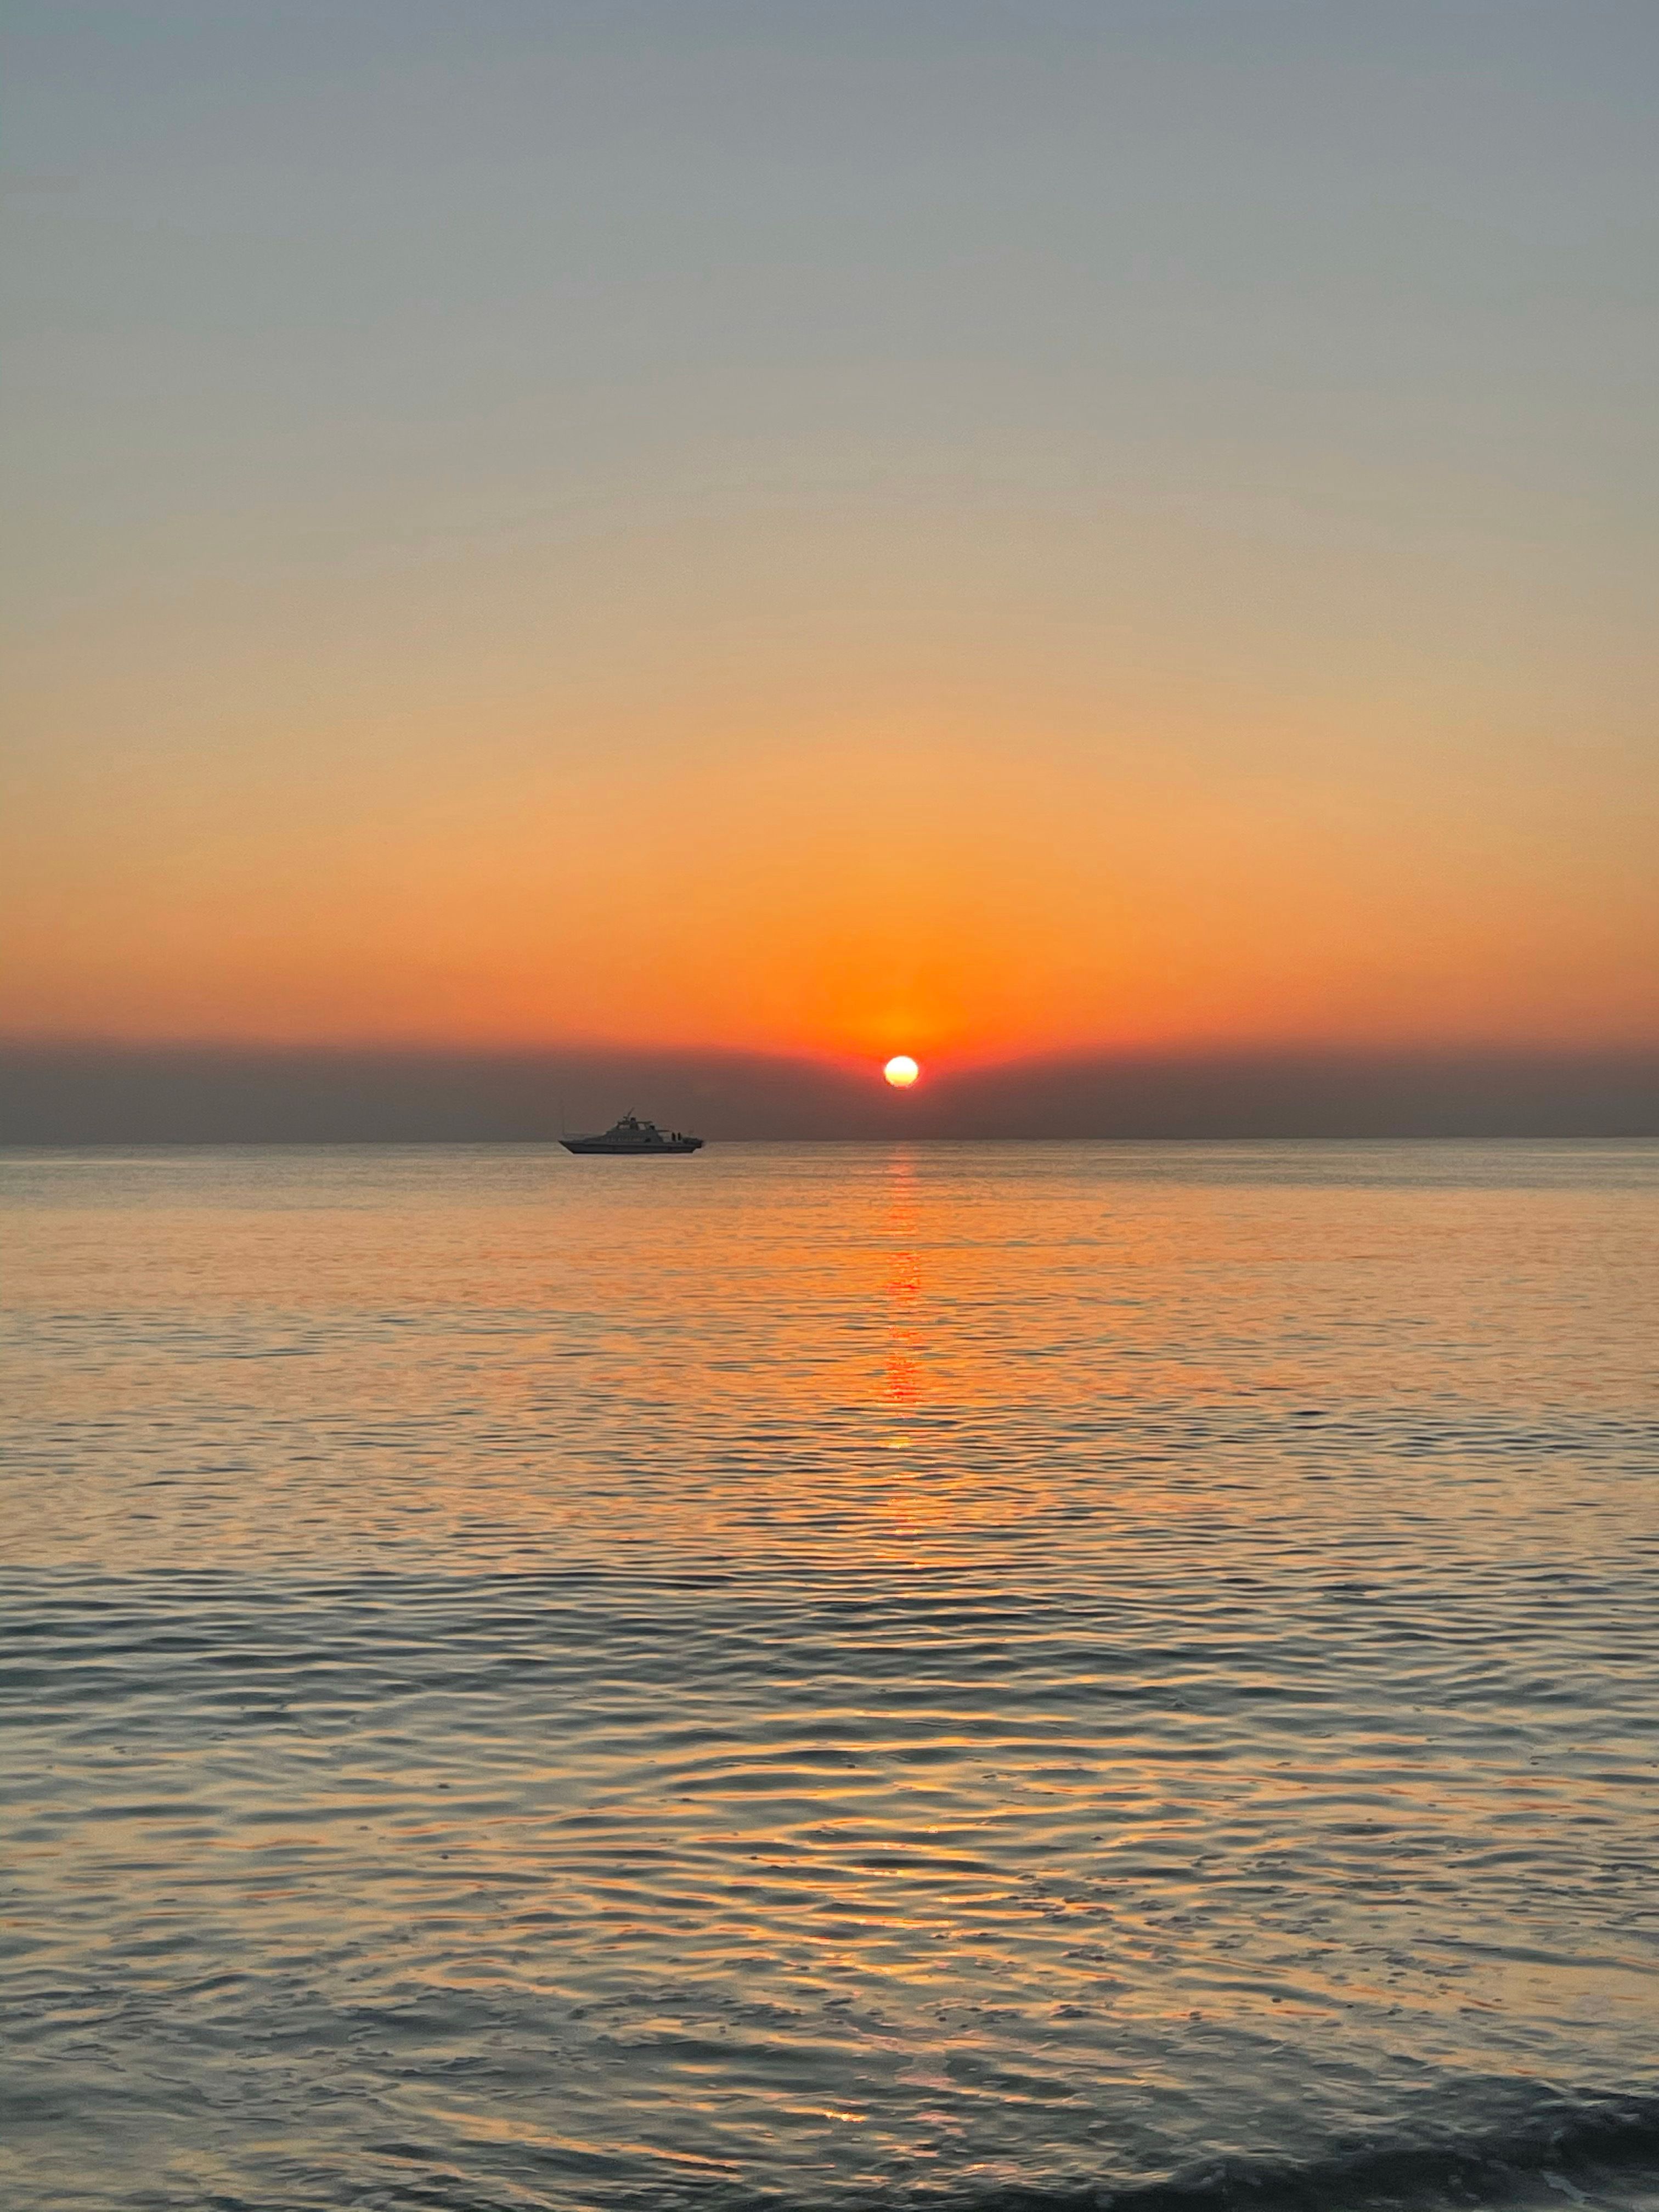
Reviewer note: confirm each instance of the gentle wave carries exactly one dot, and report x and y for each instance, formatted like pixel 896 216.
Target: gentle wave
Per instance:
pixel 1574 2148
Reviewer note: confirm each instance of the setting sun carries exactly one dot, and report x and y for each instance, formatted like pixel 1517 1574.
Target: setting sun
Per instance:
pixel 901 1071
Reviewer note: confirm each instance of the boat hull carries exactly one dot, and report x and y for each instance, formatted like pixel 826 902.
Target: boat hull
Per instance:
pixel 625 1151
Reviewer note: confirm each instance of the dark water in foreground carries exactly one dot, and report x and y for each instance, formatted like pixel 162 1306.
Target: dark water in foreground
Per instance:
pixel 831 1677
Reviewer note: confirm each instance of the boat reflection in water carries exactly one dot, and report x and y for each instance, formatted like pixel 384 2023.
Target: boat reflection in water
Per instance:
pixel 630 1136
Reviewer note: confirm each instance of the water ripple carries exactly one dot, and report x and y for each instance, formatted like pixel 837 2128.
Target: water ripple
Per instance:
pixel 1001 1677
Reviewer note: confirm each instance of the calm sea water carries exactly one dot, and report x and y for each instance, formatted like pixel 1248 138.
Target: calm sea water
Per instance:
pixel 831 1677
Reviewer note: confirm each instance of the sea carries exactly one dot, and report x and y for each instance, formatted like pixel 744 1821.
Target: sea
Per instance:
pixel 839 1678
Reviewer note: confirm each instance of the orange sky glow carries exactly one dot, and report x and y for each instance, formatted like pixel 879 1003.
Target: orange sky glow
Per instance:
pixel 956 891
pixel 1115 562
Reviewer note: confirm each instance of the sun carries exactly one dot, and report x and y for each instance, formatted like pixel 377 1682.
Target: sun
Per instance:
pixel 901 1071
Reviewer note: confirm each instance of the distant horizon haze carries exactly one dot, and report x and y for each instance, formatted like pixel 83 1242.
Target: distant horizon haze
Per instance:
pixel 58 1093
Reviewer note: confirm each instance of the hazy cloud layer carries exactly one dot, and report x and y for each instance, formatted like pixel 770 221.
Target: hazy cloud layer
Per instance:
pixel 81 1095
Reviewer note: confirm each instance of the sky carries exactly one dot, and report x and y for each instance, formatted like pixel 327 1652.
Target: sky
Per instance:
pixel 831 529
